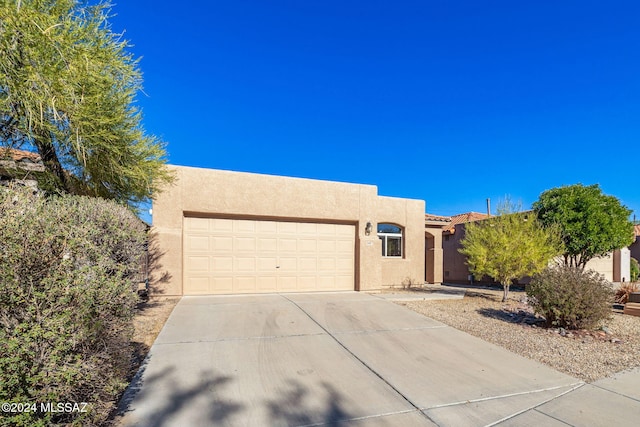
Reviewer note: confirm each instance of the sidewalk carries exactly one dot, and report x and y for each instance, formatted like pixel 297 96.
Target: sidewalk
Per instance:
pixel 610 401
pixel 425 292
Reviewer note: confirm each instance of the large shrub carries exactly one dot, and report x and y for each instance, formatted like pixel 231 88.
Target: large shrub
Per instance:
pixel 570 297
pixel 66 303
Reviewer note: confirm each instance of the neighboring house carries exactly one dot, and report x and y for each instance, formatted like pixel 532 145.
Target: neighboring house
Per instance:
pixel 614 266
pixel 635 246
pixel 19 166
pixel 223 232
pixel 454 263
pixel 433 226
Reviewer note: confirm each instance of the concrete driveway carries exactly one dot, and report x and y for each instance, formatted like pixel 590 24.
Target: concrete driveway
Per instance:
pixel 330 359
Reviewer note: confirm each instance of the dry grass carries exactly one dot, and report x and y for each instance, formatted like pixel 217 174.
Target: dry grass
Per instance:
pixel 149 319
pixel 586 354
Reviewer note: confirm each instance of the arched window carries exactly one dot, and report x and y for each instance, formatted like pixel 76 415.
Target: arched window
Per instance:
pixel 391 236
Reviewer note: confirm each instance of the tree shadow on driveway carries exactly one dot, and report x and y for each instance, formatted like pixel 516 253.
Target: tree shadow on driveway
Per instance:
pixel 205 403
pixel 177 400
pixel 298 407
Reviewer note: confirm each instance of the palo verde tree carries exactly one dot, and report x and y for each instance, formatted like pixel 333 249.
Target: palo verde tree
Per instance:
pixel 591 223
pixel 508 246
pixel 67 90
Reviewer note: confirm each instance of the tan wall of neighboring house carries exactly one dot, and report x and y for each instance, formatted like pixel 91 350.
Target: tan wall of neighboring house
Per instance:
pixel 634 249
pixel 603 265
pixel 622 265
pixel 454 268
pixel 226 194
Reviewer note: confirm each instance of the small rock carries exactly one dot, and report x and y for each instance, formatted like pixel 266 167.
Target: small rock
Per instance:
pixel 605 330
pixel 616 341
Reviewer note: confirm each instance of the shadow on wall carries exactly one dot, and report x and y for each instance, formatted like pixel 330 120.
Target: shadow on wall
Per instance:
pixel 156 276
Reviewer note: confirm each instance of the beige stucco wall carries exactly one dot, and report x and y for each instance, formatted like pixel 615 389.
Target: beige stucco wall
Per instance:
pixel 208 192
pixel 410 215
pixel 603 265
pixel 434 254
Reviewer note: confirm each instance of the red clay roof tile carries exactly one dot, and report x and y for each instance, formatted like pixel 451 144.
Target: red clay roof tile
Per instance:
pixel 467 217
pixel 430 217
pixel 17 155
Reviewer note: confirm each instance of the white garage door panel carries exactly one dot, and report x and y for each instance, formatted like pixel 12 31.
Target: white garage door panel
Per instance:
pixel 224 256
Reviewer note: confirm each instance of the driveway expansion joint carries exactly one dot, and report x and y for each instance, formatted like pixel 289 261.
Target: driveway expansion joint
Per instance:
pixel 552 417
pixel 269 337
pixel 373 371
pixel 372 331
pixel 366 417
pixel 573 386
pixel 614 392
pixel 534 407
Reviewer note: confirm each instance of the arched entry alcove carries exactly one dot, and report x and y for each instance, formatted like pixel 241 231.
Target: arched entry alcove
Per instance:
pixel 433 255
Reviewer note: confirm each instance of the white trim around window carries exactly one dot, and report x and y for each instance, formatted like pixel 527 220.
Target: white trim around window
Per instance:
pixel 391 236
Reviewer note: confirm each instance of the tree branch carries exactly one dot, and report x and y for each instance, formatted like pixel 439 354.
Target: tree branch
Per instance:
pixel 51 160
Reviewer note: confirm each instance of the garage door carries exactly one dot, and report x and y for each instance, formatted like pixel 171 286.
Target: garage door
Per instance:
pixel 232 256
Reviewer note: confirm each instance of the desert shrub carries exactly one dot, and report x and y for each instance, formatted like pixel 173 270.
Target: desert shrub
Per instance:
pixel 634 270
pixel 570 297
pixel 66 303
pixel 622 293
pixel 409 282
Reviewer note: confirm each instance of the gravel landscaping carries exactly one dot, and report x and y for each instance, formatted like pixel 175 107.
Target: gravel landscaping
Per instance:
pixel 586 354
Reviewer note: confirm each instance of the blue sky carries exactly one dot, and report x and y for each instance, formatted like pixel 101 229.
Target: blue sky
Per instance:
pixel 451 102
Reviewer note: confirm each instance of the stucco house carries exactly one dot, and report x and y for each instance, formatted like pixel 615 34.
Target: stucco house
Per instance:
pixel 224 232
pixel 635 246
pixel 454 263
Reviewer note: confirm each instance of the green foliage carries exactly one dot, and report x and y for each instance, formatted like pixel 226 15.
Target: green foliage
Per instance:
pixel 66 266
pixel 592 224
pixel 634 269
pixel 67 89
pixel 509 246
pixel 570 297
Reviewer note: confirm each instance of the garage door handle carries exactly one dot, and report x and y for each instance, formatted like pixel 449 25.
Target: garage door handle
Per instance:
pixel 277 266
